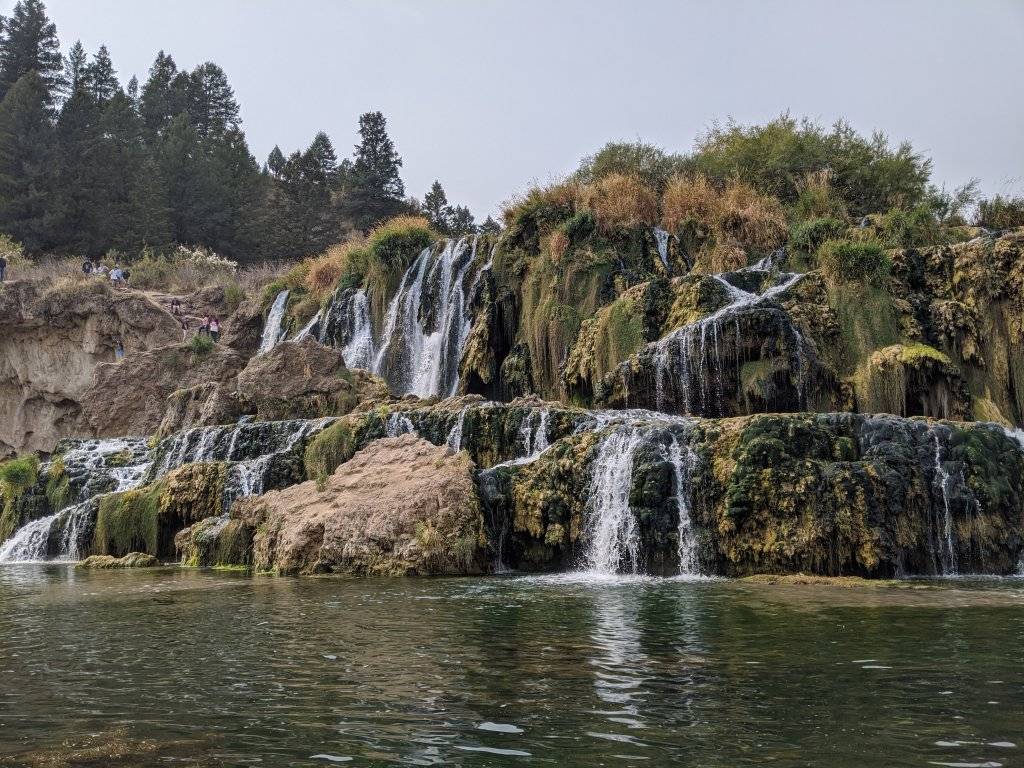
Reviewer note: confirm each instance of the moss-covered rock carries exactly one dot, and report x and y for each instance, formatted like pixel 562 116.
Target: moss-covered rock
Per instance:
pixel 131 560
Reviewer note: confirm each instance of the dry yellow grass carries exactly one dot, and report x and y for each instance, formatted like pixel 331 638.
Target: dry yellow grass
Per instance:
pixel 621 202
pixel 324 271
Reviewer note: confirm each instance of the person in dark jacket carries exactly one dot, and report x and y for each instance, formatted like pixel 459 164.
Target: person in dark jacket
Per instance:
pixel 3 268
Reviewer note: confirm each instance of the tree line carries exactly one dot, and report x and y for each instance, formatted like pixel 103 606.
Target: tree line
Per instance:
pixel 88 165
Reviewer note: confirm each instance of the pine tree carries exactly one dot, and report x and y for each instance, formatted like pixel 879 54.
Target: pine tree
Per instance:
pixel 29 44
pixel 99 77
pixel 27 162
pixel 490 227
pixel 132 90
pixel 435 207
pixel 162 97
pixel 374 190
pixel 462 222
pixel 276 161
pixel 211 101
pixel 74 68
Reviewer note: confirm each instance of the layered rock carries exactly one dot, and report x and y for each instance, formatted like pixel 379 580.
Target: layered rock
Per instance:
pixel 51 343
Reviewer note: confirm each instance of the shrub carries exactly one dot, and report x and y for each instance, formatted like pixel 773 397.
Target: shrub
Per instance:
pixel 17 476
pixel 915 228
pixel 645 161
pixel 398 241
pixel 328 450
pixel 580 226
pixel 344 265
pixel 808 236
pixel 200 345
pixel 1001 212
pixel 620 202
pixel 857 262
pixel 817 197
pixel 868 174
pixel 11 250
pixel 738 216
pixel 541 206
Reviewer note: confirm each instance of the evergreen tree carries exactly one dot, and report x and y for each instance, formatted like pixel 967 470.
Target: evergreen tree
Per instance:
pixel 162 98
pixel 374 190
pixel 29 44
pixel 462 222
pixel 74 68
pixel 435 207
pixel 211 101
pixel 133 91
pixel 276 161
pixel 490 227
pixel 99 77
pixel 27 162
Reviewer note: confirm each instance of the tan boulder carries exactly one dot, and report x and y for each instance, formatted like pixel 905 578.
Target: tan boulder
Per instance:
pixel 400 506
pixel 305 379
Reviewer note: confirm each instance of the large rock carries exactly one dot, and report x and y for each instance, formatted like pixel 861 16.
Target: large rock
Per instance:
pixel 401 506
pixel 51 342
pixel 129 397
pixel 305 379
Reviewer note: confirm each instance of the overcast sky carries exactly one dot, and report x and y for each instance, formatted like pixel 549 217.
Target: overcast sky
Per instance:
pixel 489 95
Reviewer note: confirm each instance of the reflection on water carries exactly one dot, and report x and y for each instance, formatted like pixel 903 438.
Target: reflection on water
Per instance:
pixel 142 668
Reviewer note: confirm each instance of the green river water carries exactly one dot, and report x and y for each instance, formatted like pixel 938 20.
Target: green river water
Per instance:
pixel 177 667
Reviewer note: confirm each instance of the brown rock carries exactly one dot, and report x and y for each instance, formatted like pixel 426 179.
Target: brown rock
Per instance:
pixel 401 506
pixel 51 342
pixel 130 397
pixel 243 330
pixel 305 379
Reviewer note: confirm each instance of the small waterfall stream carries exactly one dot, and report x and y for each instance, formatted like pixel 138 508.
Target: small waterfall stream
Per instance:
pixel 272 330
pixel 661 240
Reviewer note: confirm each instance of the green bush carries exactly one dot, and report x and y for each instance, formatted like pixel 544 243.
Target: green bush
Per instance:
pixel 328 450
pixel 652 164
pixel 396 242
pixel 1001 212
pixel 914 228
pixel 17 476
pixel 200 345
pixel 808 236
pixel 855 262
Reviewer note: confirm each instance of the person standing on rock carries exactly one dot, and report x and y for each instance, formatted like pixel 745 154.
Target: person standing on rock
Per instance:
pixel 3 269
pixel 184 327
pixel 214 325
pixel 87 267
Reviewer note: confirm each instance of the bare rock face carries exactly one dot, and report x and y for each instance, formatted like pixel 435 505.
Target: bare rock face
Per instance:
pixel 401 506
pixel 305 379
pixel 130 397
pixel 243 330
pixel 51 343
pixel 203 405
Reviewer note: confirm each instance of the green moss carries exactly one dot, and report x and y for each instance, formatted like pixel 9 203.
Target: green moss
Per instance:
pixel 330 449
pixel 58 490
pixel 867 321
pixel 17 476
pixel 127 521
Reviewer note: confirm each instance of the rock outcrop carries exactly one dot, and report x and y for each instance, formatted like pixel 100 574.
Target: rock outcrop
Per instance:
pixel 129 397
pixel 51 342
pixel 305 379
pixel 400 506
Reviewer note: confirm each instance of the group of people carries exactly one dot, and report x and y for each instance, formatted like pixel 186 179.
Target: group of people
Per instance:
pixel 118 276
pixel 210 325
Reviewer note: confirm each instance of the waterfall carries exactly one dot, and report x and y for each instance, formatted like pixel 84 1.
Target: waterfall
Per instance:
pixel 92 467
pixel 454 441
pixel 399 424
pixel 612 527
pixel 308 328
pixel 253 450
pixel 427 323
pixel 661 239
pixel 690 362
pixel 358 352
pixel 533 434
pixel 689 561
pixel 947 548
pixel 272 331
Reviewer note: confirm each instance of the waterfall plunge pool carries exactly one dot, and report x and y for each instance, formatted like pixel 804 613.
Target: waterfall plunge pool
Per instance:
pixel 138 668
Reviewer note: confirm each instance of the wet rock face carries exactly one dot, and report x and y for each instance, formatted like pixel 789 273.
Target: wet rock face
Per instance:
pixel 305 379
pixel 401 506
pixel 51 343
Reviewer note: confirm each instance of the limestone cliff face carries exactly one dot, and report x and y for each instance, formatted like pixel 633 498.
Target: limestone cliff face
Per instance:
pixel 51 342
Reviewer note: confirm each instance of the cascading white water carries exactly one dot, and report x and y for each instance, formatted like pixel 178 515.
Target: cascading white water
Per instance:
pixel 614 540
pixel 454 441
pixel 942 479
pixel 661 240
pixel 682 464
pixel 92 467
pixel 307 329
pixel 399 424
pixel 695 349
pixel 358 352
pixel 272 330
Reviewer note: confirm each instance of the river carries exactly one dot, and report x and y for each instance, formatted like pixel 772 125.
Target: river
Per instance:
pixel 173 666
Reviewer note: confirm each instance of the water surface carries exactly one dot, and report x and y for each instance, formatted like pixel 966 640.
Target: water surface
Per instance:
pixel 180 667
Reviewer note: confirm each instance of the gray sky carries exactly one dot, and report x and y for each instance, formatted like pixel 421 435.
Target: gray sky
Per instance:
pixel 490 95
